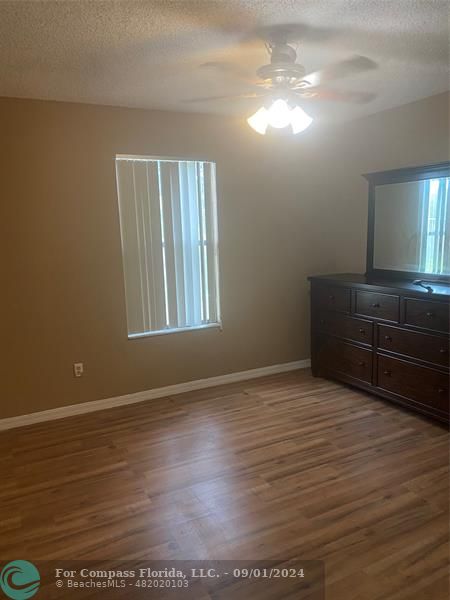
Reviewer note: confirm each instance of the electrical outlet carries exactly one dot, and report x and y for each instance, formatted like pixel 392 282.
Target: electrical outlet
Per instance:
pixel 78 369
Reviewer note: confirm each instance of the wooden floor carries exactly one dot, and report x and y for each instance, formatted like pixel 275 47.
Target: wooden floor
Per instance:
pixel 281 466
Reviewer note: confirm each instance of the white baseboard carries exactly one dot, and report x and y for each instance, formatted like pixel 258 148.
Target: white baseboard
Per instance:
pixel 169 390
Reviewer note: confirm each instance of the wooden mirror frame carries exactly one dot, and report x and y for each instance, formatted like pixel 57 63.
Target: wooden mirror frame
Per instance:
pixel 398 176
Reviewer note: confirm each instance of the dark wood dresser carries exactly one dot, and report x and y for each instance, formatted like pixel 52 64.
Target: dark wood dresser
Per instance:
pixel 388 337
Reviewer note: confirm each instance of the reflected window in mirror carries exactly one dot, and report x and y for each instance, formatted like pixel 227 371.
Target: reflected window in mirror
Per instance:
pixel 435 220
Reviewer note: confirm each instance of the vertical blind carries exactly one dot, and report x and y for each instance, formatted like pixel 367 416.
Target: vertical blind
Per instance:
pixel 168 222
pixel 435 226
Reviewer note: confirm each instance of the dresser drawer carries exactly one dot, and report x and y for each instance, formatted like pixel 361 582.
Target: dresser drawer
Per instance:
pixel 346 327
pixel 427 314
pixel 431 348
pixel 332 298
pixel 380 306
pixel 341 357
pixel 420 384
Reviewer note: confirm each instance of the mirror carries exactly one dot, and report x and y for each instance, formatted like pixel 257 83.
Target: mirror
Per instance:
pixel 409 222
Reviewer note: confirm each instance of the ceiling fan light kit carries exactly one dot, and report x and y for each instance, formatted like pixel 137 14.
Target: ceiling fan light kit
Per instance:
pixel 280 115
pixel 300 120
pixel 259 121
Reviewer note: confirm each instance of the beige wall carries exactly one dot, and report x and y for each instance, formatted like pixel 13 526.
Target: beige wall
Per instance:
pixel 287 208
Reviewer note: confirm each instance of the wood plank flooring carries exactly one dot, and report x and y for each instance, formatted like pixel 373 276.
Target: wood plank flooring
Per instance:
pixel 283 466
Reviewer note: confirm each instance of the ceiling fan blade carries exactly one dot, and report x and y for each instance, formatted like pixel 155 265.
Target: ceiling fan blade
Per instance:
pixel 321 93
pixel 225 97
pixel 339 70
pixel 229 68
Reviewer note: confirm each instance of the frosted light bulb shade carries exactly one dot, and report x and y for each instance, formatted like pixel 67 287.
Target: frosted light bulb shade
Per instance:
pixel 299 120
pixel 259 121
pixel 279 114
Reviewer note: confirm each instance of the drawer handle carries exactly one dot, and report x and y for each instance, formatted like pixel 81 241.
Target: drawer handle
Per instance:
pixel 430 314
pixel 361 363
pixel 376 305
pixel 442 391
pixel 331 298
pixel 362 331
pixel 443 351
pixel 388 338
pixel 387 373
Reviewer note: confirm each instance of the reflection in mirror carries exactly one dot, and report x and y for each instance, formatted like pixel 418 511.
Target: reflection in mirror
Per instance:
pixel 412 226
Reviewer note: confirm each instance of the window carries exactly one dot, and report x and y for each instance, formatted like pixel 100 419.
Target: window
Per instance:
pixel 435 218
pixel 168 225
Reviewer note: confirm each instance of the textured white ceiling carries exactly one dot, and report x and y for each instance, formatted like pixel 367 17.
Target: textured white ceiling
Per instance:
pixel 150 53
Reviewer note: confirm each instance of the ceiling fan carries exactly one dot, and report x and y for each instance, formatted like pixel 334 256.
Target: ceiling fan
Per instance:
pixel 283 84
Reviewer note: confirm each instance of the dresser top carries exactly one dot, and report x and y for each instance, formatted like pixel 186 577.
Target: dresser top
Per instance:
pixel 441 290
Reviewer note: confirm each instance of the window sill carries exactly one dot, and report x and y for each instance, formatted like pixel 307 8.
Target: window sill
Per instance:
pixel 134 336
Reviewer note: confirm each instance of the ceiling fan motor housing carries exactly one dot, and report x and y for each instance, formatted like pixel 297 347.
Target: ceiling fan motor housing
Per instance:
pixel 282 67
pixel 282 53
